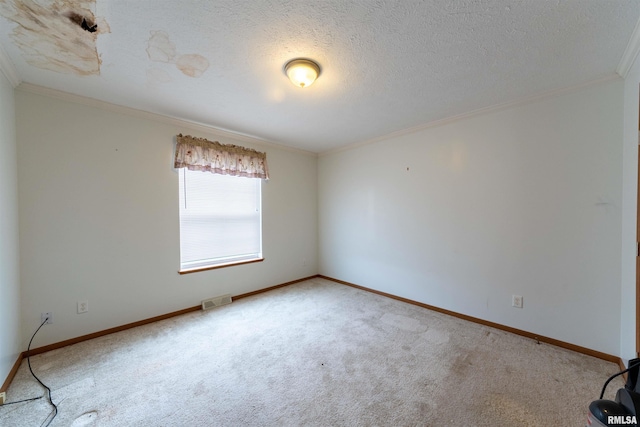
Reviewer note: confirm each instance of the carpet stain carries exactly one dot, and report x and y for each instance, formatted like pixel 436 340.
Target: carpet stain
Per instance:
pixel 424 409
pixel 200 388
pixel 463 363
pixel 405 323
pixel 436 336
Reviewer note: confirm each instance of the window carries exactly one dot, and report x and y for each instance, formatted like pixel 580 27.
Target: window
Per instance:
pixel 220 220
pixel 220 203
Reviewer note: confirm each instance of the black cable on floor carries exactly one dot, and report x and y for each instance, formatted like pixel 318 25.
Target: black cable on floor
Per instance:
pixel 20 401
pixel 38 379
pixel 604 387
pixel 55 408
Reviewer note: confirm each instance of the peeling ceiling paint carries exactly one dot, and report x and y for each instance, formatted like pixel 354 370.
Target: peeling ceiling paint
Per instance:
pixel 386 65
pixel 58 36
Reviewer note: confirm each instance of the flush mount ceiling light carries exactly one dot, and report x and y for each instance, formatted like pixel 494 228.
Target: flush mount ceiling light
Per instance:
pixel 302 72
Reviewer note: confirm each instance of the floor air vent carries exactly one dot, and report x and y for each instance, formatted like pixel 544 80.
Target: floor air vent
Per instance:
pixel 216 302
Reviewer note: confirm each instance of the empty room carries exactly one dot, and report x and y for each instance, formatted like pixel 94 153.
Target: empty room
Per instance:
pixel 270 213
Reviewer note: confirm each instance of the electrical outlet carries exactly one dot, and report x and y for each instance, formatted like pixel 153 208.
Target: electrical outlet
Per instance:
pixel 83 306
pixel 3 397
pixel 44 316
pixel 516 301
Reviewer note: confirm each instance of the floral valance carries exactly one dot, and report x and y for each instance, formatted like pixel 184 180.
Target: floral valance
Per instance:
pixel 203 155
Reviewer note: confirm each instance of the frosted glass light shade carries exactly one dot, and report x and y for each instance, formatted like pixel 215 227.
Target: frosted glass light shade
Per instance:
pixel 302 72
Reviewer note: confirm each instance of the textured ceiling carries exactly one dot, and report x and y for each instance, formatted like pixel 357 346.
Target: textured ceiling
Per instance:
pixel 386 65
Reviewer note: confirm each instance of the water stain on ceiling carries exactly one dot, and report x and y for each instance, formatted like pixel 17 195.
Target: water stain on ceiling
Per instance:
pixel 57 35
pixel 161 49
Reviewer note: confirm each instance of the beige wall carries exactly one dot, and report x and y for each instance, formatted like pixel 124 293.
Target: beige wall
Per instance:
pixel 628 321
pixel 99 218
pixel 10 340
pixel 526 200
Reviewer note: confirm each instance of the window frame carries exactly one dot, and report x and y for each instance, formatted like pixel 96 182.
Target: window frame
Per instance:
pixel 187 270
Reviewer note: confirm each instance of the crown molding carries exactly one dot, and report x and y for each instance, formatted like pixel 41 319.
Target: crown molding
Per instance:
pixel 8 69
pixel 479 112
pixel 630 53
pixel 170 120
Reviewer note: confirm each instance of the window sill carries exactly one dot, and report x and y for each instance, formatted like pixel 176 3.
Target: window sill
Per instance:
pixel 213 267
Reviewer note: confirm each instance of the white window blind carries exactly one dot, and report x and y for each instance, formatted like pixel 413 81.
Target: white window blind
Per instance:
pixel 220 219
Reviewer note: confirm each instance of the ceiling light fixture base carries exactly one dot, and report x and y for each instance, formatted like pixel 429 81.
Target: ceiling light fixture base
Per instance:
pixel 302 71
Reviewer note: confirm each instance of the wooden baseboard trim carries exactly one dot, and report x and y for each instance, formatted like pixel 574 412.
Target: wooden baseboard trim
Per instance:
pixel 76 340
pixel 270 288
pixel 539 338
pixel 558 343
pixel 79 339
pixel 622 366
pixel 12 374
pixel 93 335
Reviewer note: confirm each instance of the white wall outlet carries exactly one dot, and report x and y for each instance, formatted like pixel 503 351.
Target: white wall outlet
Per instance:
pixel 44 316
pixel 83 306
pixel 3 397
pixel 516 301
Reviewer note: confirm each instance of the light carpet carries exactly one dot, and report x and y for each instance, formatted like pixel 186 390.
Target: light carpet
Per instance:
pixel 315 353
